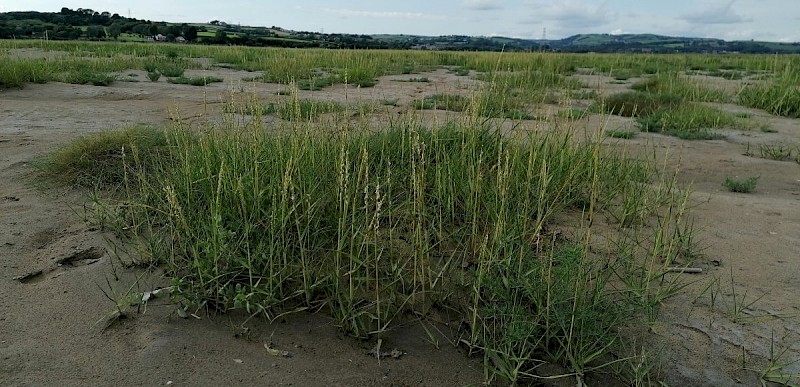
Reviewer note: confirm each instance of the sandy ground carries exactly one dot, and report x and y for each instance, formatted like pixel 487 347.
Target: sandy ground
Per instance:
pixel 48 324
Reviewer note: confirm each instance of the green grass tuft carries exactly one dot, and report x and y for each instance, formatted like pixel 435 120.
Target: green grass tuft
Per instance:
pixel 779 97
pixel 450 102
pixel 196 81
pixel 688 122
pixel 623 134
pixel 636 104
pixel 101 159
pixel 744 185
pixel 170 71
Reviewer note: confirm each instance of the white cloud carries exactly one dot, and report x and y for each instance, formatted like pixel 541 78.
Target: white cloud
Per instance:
pixel 791 38
pixel 718 14
pixel 482 5
pixel 343 12
pixel 570 14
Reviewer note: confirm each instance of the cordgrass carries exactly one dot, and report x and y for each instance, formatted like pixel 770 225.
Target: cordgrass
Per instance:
pixel 572 114
pixel 452 102
pixel 623 134
pixel 171 71
pixel 195 81
pixel 99 160
pixel 294 109
pixel 779 97
pixel 678 87
pixel 636 103
pixel 688 122
pixel 741 185
pixel 378 227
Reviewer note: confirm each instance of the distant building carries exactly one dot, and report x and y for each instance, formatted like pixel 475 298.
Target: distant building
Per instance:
pixel 160 38
pixel 180 39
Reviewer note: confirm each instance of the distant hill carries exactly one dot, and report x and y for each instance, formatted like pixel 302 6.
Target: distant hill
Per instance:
pixel 87 24
pixel 665 44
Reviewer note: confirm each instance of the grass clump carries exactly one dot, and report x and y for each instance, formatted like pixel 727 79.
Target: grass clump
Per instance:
pixel 572 114
pixel 460 71
pixel 636 104
pixel 376 228
pixel 675 86
pixel 688 122
pixel 17 74
pixel 153 76
pixel 317 83
pixel 170 71
pixel 741 185
pixel 777 152
pixel 623 134
pixel 303 109
pixel 780 97
pixel 766 128
pixel 364 83
pixel 105 159
pixel 582 94
pixel 451 102
pixel 195 81
pixel 295 109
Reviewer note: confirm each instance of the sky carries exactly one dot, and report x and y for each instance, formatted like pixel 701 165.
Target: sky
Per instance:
pixel 769 20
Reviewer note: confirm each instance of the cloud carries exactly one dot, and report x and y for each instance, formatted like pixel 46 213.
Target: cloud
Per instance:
pixel 721 14
pixel 482 5
pixel 343 12
pixel 794 38
pixel 570 14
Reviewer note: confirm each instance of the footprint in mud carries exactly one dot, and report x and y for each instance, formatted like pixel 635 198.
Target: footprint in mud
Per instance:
pixel 81 258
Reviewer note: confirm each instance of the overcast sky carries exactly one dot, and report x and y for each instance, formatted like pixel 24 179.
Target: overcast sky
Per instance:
pixel 771 20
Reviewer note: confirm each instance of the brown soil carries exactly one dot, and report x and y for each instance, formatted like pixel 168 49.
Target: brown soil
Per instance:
pixel 56 267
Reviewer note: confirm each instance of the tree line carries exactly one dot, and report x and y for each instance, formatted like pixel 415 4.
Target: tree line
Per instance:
pixel 85 23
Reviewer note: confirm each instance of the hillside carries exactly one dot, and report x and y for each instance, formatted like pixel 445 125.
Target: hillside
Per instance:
pixel 87 24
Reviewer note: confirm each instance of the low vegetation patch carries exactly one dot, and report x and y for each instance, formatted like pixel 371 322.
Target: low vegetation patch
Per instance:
pixel 318 83
pixel 295 109
pixel 196 81
pixel 776 151
pixel 688 122
pixel 636 103
pixel 450 102
pixel 572 113
pixel 741 185
pixel 106 159
pixel 780 97
pixel 171 71
pixel 623 134
pixel 460 71
pixel 379 228
pixel 673 85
